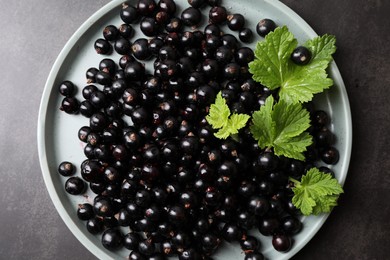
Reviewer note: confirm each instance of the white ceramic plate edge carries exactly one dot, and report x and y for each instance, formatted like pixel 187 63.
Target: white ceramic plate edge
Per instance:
pixel 41 131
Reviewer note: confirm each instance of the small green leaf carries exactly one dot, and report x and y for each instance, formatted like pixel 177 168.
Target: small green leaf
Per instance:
pixel 282 126
pixel 219 118
pixel 219 113
pixel 273 67
pixel 316 193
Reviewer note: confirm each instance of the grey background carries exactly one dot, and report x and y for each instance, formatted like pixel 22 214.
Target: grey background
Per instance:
pixel 32 33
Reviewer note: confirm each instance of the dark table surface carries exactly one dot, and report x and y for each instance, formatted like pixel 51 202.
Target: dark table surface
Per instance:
pixel 34 32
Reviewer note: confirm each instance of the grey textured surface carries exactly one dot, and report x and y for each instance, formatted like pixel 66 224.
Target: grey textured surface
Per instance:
pixel 34 32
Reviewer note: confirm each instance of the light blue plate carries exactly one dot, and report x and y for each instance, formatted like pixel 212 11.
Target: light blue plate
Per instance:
pixel 57 132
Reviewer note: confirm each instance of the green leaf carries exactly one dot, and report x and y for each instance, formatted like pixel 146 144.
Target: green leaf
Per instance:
pixel 236 122
pixel 263 127
pixel 219 118
pixel 223 133
pixel 219 113
pixel 272 55
pixel 293 147
pixel 282 126
pixel 316 193
pixel 322 183
pixel 290 119
pixel 325 205
pixel 303 201
pixel 273 67
pixel 304 84
pixel 322 49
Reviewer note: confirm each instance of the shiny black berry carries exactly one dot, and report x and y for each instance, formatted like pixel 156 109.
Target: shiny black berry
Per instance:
pixel 245 35
pixel 281 242
pixel 70 105
pixel 102 46
pixel 235 22
pixel 126 30
pixel 330 155
pixel 112 239
pixel 140 49
pixel 66 88
pixel 75 186
pixel 146 7
pixel 265 26
pixel 110 32
pixel 149 26
pixel 301 55
pixel 90 74
pixel 128 13
pixel 134 71
pixel 168 6
pixel 268 161
pixel 258 205
pixel 87 91
pixel 244 55
pixel 196 3
pixel 66 169
pixel 122 46
pixel 95 225
pixel 85 211
pixel 217 14
pixel 131 240
pixel 255 255
pixel 291 225
pixel 191 16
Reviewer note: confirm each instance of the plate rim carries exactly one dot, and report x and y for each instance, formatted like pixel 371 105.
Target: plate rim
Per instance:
pixel 42 116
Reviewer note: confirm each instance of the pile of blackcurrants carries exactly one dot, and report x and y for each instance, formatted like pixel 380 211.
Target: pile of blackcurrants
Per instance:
pixel 165 178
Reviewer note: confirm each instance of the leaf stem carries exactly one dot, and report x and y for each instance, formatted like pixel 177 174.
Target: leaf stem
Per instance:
pixel 294 181
pixel 235 137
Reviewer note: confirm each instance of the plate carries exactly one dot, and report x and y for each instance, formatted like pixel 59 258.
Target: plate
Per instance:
pixel 57 132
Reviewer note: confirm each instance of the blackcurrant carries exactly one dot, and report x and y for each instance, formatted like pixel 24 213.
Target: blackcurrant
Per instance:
pixel 110 32
pixel 75 186
pixel 245 35
pixel 217 14
pixel 66 169
pixel 330 155
pixel 70 105
pixel 281 242
pixel 128 13
pixel 122 46
pixel 191 16
pixel 301 55
pixel 149 26
pixel 235 22
pixel 102 46
pixel 112 239
pixel 85 211
pixel 265 26
pixel 66 88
